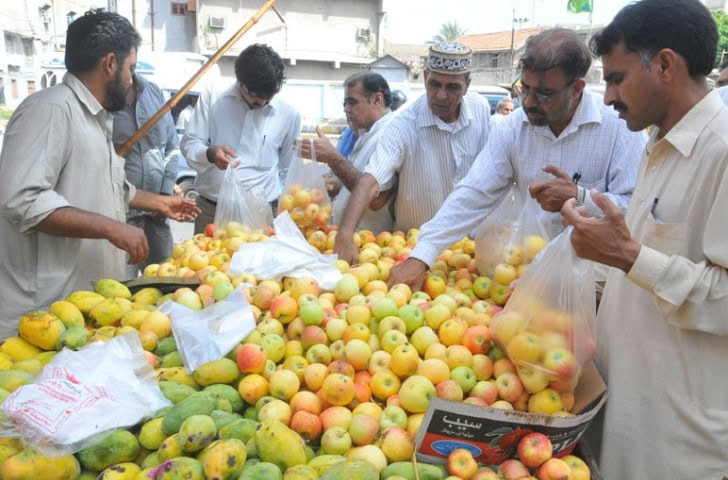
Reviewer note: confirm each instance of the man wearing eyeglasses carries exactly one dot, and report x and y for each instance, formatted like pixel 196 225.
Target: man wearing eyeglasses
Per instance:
pixel 242 123
pixel 561 143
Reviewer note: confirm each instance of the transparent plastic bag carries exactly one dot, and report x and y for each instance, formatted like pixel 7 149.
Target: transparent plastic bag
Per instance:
pixel 80 396
pixel 305 196
pixel 510 238
pixel 208 334
pixel 547 327
pixel 248 207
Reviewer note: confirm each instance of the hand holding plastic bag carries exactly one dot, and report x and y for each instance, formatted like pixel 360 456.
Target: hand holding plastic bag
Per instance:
pixel 81 395
pixel 211 333
pixel 546 328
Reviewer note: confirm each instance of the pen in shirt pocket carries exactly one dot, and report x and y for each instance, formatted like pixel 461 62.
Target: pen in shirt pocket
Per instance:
pixel 654 206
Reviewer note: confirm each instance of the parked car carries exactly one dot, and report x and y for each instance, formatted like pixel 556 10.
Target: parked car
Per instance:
pixel 492 93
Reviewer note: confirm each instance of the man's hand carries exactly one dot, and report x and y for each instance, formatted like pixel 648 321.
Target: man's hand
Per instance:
pixel 412 272
pixel 178 208
pixel 345 249
pixel 605 240
pixel 551 194
pixel 323 149
pixel 221 155
pixel 131 239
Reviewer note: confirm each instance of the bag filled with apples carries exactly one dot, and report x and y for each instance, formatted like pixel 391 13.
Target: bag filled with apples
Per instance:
pixel 304 194
pixel 546 328
pixel 510 238
pixel 244 206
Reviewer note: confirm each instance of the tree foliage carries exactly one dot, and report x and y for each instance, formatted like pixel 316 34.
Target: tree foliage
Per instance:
pixel 449 32
pixel 721 19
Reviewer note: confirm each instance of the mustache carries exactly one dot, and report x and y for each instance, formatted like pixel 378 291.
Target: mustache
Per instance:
pixel 535 110
pixel 619 106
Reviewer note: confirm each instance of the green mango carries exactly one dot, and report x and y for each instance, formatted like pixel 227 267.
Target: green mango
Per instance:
pixel 352 470
pixel 261 471
pixel 276 443
pixel 117 447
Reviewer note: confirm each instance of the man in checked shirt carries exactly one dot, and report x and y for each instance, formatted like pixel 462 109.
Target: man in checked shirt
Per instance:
pixel 562 133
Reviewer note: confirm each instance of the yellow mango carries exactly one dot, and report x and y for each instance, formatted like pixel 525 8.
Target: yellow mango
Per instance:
pixel 7 451
pixel 6 361
pixel 177 374
pixel 107 312
pixel 19 348
pixel 170 448
pixel 144 474
pixel 120 471
pixel 222 370
pixel 68 313
pixel 196 432
pixel 133 318
pixel 45 357
pixel 111 288
pixel 151 434
pixel 85 300
pixel 30 464
pixel 31 365
pixel 147 296
pixel 224 459
pixel 103 334
pixel 158 323
pixel 41 329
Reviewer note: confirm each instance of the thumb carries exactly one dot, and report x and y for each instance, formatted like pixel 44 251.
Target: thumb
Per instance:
pixel 556 171
pixel 320 132
pixel 605 204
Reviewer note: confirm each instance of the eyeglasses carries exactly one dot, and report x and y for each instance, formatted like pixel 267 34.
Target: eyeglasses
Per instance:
pixel 522 90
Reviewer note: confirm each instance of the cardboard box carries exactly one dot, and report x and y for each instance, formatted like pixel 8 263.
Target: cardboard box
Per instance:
pixel 492 434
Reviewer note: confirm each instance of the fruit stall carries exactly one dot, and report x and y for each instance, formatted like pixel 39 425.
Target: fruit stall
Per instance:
pixel 329 380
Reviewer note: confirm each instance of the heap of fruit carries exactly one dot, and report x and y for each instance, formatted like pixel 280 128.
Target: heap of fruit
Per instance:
pixel 309 208
pixel 330 385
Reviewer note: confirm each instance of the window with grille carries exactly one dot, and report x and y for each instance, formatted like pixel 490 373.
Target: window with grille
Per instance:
pixel 179 8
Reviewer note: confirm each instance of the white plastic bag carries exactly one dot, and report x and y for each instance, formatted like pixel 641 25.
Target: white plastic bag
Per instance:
pixel 236 203
pixel 81 395
pixel 286 254
pixel 208 334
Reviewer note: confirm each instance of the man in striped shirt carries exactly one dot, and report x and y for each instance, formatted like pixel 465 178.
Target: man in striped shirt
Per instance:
pixel 563 142
pixel 425 150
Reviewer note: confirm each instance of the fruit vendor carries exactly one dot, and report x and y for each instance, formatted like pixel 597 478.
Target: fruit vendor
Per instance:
pixel 367 102
pixel 562 142
pixel 63 222
pixel 244 123
pixel 661 329
pixel 429 147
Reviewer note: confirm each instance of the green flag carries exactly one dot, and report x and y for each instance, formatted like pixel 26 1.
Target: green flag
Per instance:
pixel 580 6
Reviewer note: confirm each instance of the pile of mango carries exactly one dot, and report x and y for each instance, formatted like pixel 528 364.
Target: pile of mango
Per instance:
pixel 231 420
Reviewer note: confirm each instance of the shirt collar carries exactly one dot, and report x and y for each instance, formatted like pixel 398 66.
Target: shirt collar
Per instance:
pixel 684 135
pixel 429 119
pixel 234 92
pixel 83 94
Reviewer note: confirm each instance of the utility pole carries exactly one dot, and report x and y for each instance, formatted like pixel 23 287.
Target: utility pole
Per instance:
pixel 151 20
pixel 519 21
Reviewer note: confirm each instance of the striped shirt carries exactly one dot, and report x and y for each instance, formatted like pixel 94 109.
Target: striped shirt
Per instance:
pixel 428 156
pixel 596 143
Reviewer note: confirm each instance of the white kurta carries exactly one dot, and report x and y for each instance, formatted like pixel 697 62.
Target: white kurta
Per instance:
pixel 428 156
pixel 662 330
pixel 57 153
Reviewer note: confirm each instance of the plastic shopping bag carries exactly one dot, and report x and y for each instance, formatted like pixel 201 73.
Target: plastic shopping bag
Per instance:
pixel 211 333
pixel 547 327
pixel 510 238
pixel 239 208
pixel 81 395
pixel 304 194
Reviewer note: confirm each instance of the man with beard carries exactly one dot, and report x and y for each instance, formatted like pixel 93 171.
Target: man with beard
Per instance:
pixel 63 194
pixel 245 124
pixel 367 102
pixel 425 150
pixel 561 143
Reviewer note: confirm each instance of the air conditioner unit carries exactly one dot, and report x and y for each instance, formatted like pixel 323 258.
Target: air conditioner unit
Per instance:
pixel 216 22
pixel 363 33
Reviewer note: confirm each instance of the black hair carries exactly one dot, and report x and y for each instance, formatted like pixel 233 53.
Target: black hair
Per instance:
pixel 648 26
pixel 260 69
pixel 96 34
pixel 372 83
pixel 557 48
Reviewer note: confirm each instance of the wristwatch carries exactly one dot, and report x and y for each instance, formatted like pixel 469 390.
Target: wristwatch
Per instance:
pixel 580 194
